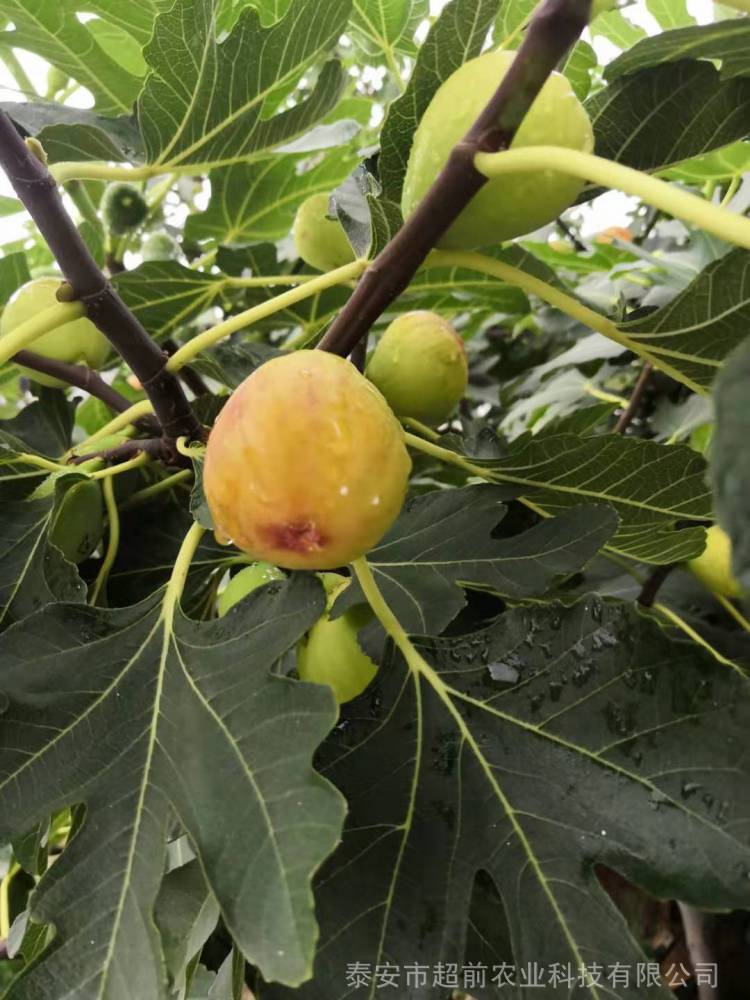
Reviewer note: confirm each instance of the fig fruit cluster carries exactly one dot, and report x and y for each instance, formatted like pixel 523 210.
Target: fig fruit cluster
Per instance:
pixel 76 342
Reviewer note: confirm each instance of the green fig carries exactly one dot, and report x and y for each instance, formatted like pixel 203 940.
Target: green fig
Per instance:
pixel 321 242
pixel 330 653
pixel 420 367
pixel 78 524
pixel 123 208
pixel 76 342
pixel 514 204
pixel 245 582
pixel 160 246
pixel 713 567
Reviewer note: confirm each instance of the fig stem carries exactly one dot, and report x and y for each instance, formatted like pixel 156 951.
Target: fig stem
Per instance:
pixel 668 197
pixel 142 458
pixel 256 313
pixel 562 301
pixel 554 28
pixel 44 322
pixel 39 462
pixel 113 540
pixel 733 611
pixel 128 417
pixel 179 576
pixel 386 617
pixel 37 190
pixel 689 631
pixel 82 378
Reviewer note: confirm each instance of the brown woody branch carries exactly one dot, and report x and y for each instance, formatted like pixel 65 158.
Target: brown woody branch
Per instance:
pixel 39 194
pixel 626 417
pixel 83 378
pixel 552 31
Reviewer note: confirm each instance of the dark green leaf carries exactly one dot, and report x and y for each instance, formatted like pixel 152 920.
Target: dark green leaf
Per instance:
pixel 124 689
pixel 558 740
pixel 661 115
pixel 444 541
pixel 728 41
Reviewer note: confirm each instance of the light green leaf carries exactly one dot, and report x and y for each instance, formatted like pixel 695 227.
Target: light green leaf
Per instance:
pixel 53 31
pixel 165 295
pixel 204 104
pixel 652 488
pixel 670 13
pixel 383 27
pixel 256 202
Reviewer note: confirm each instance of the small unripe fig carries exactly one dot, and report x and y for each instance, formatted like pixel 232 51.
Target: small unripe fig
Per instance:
pixel 123 208
pixel 306 465
pixel 76 342
pixel 514 204
pixel 160 246
pixel 420 367
pixel 79 523
pixel 330 654
pixel 713 567
pixel 321 242
pixel 244 583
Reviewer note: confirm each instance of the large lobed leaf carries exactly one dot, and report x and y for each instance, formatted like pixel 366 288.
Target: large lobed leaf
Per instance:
pixel 484 794
pixel 135 719
pixel 204 101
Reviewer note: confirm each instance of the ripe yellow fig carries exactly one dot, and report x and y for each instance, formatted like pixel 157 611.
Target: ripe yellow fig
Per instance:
pixel 420 367
pixel 306 465
pixel 244 582
pixel 330 654
pixel 713 567
pixel 513 204
pixel 79 523
pixel 321 242
pixel 74 342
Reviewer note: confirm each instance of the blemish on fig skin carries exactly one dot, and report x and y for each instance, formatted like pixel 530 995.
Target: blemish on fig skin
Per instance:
pixel 298 536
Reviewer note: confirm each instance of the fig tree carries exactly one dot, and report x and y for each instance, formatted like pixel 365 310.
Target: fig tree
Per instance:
pixel 244 582
pixel 420 367
pixel 330 653
pixel 321 242
pixel 76 342
pixel 123 208
pixel 514 204
pixel 713 567
pixel 79 522
pixel 306 465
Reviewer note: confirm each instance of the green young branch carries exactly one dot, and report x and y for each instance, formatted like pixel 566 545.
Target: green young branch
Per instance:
pixel 253 315
pixel 560 300
pixel 661 194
